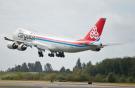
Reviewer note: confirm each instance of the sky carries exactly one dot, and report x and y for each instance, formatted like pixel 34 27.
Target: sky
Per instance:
pixel 70 19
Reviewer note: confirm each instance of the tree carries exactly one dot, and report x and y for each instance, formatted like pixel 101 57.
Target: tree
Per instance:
pixel 48 68
pixel 111 77
pixel 24 68
pixel 31 67
pixel 83 66
pixel 90 69
pixel 62 69
pixel 38 66
pixel 78 64
pixel 68 70
pixel 18 68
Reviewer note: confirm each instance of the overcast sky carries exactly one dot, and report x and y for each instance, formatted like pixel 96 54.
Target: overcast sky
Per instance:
pixel 68 18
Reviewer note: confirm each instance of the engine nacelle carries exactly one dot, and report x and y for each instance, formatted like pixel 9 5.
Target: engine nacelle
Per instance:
pixel 22 47
pixel 12 45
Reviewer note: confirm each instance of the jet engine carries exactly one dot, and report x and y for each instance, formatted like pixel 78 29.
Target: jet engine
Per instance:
pixel 22 47
pixel 12 45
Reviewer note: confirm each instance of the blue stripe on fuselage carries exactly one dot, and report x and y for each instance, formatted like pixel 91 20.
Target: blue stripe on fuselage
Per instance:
pixel 77 45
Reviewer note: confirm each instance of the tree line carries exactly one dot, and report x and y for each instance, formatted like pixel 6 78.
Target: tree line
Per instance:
pixel 108 70
pixel 31 67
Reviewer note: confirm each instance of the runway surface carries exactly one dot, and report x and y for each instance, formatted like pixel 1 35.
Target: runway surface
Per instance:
pixel 42 84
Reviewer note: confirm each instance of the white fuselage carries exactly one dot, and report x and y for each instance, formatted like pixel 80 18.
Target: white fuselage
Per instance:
pixel 53 44
pixel 62 46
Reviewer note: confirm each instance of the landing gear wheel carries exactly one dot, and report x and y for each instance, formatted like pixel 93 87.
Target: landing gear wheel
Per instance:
pixel 57 54
pixel 60 54
pixel 51 54
pixel 40 53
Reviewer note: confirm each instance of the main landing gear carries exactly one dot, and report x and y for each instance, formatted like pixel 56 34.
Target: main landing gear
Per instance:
pixel 51 54
pixel 40 53
pixel 58 54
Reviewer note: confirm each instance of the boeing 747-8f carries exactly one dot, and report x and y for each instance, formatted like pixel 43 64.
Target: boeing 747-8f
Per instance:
pixel 22 39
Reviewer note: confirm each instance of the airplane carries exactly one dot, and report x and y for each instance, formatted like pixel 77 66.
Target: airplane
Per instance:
pixel 22 39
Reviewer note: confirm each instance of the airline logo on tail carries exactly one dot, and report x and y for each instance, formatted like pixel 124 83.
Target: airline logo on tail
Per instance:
pixel 96 31
pixel 93 33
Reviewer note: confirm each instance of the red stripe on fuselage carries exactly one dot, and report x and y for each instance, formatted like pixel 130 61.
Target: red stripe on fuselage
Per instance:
pixel 76 42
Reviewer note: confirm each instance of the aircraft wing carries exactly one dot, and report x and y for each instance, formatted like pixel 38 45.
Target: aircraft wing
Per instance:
pixel 18 41
pixel 42 46
pixel 8 39
pixel 36 44
pixel 111 44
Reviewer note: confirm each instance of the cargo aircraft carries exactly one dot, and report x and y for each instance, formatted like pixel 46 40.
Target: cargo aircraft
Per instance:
pixel 22 39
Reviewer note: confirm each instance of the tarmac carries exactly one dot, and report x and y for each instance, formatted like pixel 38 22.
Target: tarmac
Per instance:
pixel 44 84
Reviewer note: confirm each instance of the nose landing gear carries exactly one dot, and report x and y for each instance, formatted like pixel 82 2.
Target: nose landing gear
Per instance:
pixel 40 54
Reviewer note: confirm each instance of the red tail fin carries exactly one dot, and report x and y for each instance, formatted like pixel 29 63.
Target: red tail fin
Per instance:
pixel 96 31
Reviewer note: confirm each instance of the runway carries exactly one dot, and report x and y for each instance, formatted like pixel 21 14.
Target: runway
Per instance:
pixel 42 84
